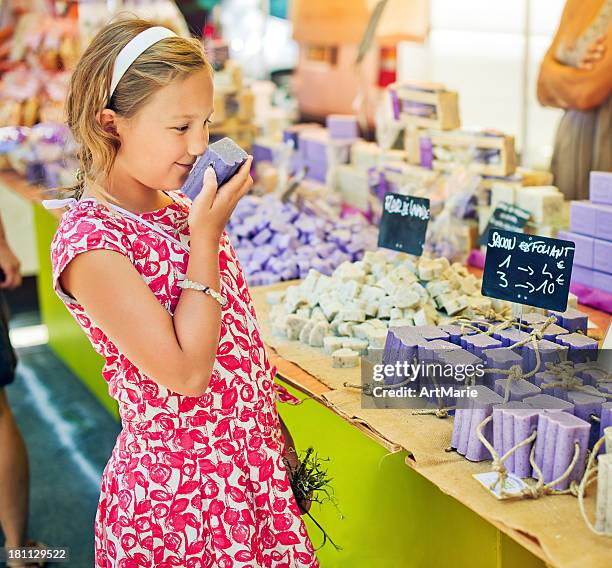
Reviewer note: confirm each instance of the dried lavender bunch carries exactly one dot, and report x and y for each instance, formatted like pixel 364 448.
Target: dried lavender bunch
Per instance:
pixel 310 482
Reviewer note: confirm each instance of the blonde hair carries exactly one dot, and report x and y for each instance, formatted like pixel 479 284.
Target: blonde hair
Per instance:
pixel 169 59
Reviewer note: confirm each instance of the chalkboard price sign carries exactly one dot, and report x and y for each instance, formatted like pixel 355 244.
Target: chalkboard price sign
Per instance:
pixel 404 223
pixel 528 269
pixel 508 217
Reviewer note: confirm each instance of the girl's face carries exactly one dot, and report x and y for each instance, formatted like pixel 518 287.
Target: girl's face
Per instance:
pixel 160 143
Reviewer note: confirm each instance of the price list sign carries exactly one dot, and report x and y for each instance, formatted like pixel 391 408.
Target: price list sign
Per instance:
pixel 528 269
pixel 403 225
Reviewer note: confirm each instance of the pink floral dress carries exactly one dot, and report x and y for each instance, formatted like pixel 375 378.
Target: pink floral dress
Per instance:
pixel 192 481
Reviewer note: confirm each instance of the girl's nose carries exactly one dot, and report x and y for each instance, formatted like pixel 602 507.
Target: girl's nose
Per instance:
pixel 198 142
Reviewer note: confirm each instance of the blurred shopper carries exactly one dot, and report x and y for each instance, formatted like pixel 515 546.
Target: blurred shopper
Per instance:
pixel 576 75
pixel 14 471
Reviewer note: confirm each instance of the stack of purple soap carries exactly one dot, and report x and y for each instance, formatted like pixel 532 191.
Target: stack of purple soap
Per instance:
pixel 591 231
pixel 225 156
pixel 277 241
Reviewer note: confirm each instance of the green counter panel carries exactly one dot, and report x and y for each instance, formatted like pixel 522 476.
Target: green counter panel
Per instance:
pixel 392 516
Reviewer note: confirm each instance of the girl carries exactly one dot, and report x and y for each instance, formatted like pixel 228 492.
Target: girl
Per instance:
pixel 197 477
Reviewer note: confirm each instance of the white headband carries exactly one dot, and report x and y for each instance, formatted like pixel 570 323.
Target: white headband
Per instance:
pixel 133 49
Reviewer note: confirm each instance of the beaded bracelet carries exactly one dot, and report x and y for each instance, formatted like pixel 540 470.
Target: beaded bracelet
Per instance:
pixel 189 284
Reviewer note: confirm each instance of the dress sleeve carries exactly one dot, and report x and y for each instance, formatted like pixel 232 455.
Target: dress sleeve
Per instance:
pixel 81 230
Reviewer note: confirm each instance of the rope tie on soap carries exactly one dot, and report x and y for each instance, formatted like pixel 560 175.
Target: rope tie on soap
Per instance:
pixel 531 491
pixel 516 372
pixel 565 371
pixel 437 412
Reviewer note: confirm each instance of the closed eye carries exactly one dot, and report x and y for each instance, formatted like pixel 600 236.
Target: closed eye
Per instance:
pixel 186 126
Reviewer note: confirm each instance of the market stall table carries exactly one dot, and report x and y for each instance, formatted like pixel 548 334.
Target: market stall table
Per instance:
pixel 551 528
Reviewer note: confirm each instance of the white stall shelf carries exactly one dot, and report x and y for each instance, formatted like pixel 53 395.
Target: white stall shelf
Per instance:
pixel 477 47
pixel 18 221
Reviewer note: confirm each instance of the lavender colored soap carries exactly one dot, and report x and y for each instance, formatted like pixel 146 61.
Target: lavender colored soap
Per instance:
pixel 602 259
pixel 585 246
pixel 519 390
pixel 455 332
pixel 571 319
pixel 581 347
pixel 549 353
pixel 532 319
pixel 583 217
pixel 225 156
pixel 342 126
pixel 548 402
pixel 600 187
pixel 605 420
pixel 482 407
pixel 524 422
pixel 568 431
pixel 478 343
pixel 499 358
pixel 502 438
pixel 510 336
pixel 431 332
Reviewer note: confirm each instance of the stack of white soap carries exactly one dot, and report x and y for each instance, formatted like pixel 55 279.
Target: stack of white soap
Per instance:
pixel 351 310
pixel 545 203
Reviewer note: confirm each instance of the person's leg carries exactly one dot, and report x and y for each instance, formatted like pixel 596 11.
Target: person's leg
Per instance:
pixel 14 478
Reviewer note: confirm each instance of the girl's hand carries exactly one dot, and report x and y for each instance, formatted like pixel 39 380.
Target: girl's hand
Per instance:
pixel 9 266
pixel 594 53
pixel 212 207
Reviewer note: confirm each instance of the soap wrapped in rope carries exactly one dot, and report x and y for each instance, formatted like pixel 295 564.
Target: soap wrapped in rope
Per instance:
pixel 225 156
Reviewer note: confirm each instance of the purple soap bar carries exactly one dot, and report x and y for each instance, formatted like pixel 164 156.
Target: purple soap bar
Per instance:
pixel 479 342
pixel 600 187
pixel 510 336
pixel 431 350
pixel 572 320
pixel 544 377
pixel 342 126
pixel 602 281
pixel 548 402
pixel 455 332
pixel 431 332
pixel 553 331
pixel 583 255
pixel 225 156
pixel 583 217
pixel 262 152
pixel 482 407
pixel 464 369
pixel 519 390
pixel 585 404
pixel 549 353
pixel 499 358
pixel 570 431
pixel 605 419
pixel 523 423
pixel 532 319
pixel 582 275
pixel 503 439
pixel 603 221
pixel 581 347
pixel 602 259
